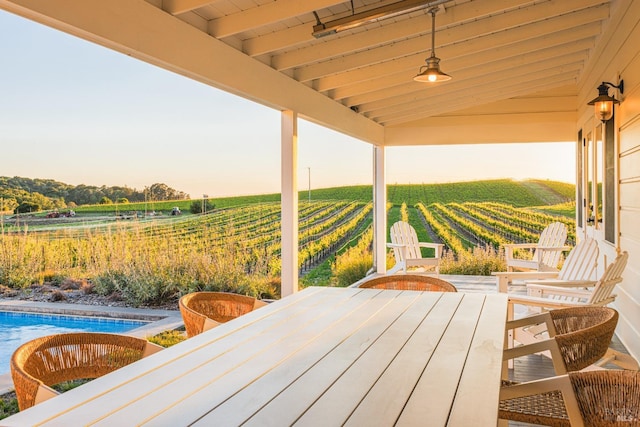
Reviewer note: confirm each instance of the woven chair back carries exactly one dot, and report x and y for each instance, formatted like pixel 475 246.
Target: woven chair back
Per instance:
pixel 607 397
pixel 583 334
pixel 54 359
pixel 219 307
pixel 410 282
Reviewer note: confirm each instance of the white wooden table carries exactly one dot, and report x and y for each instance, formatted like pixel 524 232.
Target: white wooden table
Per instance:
pixel 325 356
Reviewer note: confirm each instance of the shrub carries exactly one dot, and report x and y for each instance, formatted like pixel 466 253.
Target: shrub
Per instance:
pixel 479 262
pixel 351 267
pixel 8 405
pixel 196 206
pixel 168 338
pixel 136 286
pixel 58 296
pixel 354 263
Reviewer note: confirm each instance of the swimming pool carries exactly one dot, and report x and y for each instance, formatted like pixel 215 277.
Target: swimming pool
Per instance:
pixel 17 328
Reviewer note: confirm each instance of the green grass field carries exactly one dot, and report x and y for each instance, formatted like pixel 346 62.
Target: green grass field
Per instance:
pixel 517 193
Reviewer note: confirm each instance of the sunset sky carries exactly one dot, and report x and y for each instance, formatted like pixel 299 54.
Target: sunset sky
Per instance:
pixel 79 113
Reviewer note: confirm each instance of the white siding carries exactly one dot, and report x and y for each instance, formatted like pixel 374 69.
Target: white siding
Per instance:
pixel 621 57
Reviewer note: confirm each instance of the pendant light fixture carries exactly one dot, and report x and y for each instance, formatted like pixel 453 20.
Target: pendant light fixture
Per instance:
pixel 431 73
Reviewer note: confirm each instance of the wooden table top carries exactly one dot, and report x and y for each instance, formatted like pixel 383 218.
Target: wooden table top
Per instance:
pixel 324 356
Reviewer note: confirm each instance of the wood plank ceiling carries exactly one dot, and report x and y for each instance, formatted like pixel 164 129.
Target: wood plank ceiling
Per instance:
pixel 494 49
pixel 514 57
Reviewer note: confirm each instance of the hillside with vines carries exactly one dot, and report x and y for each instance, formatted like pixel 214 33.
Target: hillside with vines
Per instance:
pixel 236 246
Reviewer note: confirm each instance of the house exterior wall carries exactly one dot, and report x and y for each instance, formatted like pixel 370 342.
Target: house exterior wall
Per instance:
pixel 618 57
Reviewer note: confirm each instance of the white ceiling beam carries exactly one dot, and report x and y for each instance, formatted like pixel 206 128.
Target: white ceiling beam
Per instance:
pixel 523 104
pixel 396 83
pixel 303 33
pixel 277 40
pixel 544 116
pixel 461 47
pixel 514 22
pixel 493 91
pixel 177 7
pixel 509 90
pixel 502 45
pixel 138 29
pixel 482 67
pixel 485 129
pixel 265 14
pixel 450 28
pixel 398 94
pixel 428 99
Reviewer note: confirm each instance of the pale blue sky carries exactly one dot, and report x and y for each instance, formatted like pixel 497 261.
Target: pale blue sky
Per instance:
pixel 82 114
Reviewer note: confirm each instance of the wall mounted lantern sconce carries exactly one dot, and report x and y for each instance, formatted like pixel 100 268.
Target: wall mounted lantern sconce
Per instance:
pixel 604 103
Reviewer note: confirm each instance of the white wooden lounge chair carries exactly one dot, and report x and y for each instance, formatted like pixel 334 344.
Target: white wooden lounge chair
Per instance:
pixel 546 253
pixel 569 294
pixel 406 249
pixel 577 269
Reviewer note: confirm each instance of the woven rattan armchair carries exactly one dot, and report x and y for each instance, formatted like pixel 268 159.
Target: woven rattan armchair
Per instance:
pixel 41 363
pixel 578 336
pixel 409 282
pixel 202 311
pixel 587 398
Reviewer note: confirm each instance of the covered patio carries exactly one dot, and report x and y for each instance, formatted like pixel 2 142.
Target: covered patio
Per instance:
pixel 522 71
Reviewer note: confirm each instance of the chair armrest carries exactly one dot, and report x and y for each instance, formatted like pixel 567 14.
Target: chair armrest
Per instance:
pixel 430 245
pixel 523 275
pixel 151 348
pixel 396 245
pixel 44 393
pixel 530 320
pixel 562 283
pixel 559 291
pixel 553 248
pixel 438 247
pixel 541 302
pixel 503 278
pixel 520 245
pixel 550 345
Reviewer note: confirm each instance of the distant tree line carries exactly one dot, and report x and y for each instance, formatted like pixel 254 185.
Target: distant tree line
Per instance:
pixel 22 195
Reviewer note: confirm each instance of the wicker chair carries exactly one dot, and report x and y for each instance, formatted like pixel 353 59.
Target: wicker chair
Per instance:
pixel 41 363
pixel 202 311
pixel 578 336
pixel 409 282
pixel 589 398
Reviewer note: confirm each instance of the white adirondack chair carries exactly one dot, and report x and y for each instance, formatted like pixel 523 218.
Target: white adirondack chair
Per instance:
pixel 569 294
pixel 546 253
pixel 577 269
pixel 406 249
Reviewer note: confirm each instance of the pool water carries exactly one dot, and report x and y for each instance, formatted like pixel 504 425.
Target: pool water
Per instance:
pixel 18 328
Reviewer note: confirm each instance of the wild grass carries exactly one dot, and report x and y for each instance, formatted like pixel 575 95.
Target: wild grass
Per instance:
pixel 141 268
pixel 237 249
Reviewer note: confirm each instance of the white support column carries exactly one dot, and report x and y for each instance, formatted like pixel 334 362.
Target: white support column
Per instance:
pixel 289 202
pixel 379 211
